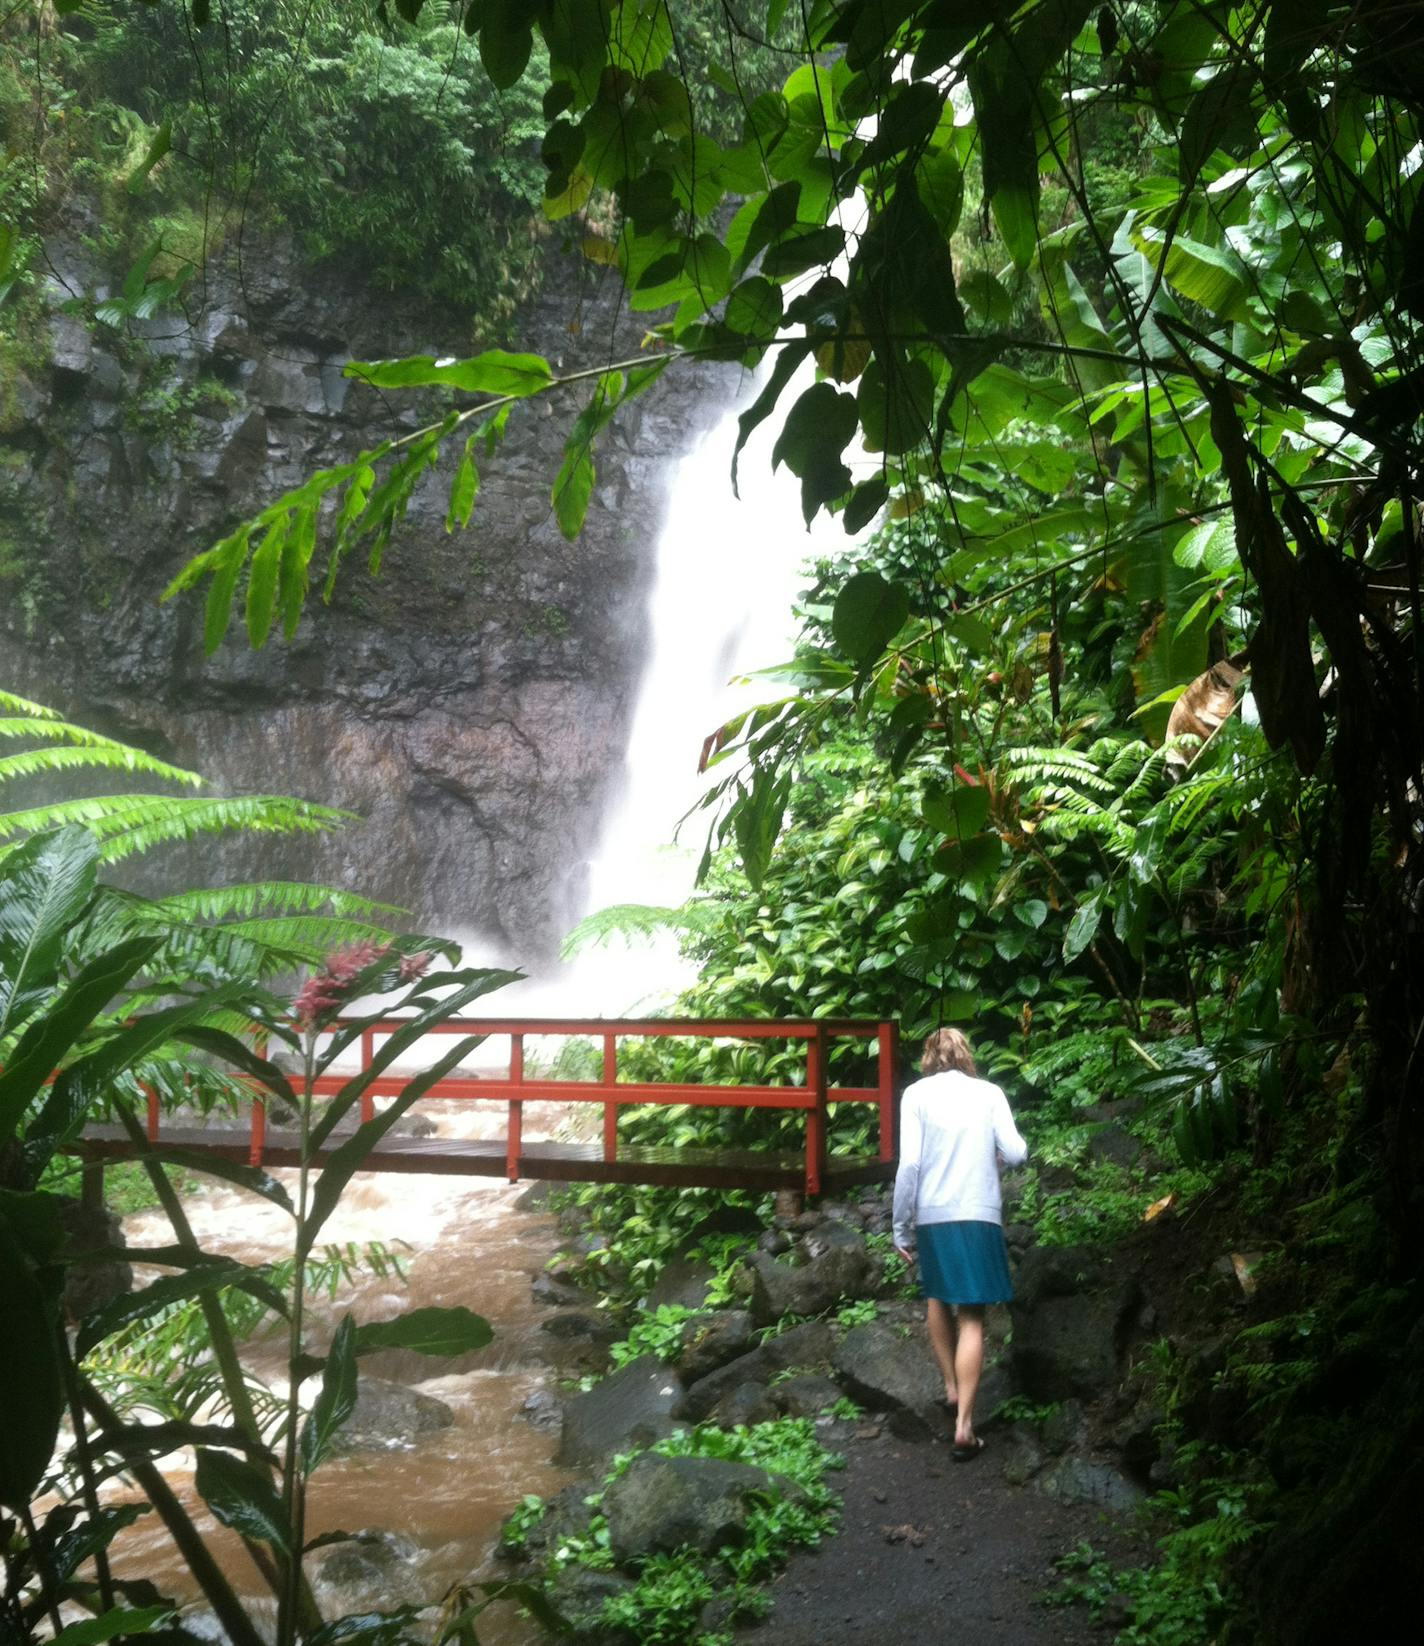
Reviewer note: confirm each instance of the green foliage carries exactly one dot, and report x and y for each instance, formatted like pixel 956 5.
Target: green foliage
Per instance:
pixel 1180 1599
pixel 671 1589
pixel 659 1333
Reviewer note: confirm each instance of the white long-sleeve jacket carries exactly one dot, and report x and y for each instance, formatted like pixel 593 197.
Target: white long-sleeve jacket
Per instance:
pixel 953 1130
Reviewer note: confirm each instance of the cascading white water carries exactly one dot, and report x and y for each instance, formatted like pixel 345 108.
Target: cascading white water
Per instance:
pixel 728 571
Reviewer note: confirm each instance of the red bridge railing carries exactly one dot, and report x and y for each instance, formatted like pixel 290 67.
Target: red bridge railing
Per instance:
pixel 515 1088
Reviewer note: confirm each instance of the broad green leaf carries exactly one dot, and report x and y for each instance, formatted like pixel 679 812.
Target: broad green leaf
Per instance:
pixel 262 579
pixel 121 1621
pixel 816 431
pixel 787 362
pixel 972 861
pixel 506 41
pixel 337 1399
pixel 1083 927
pixel 1216 279
pixel 395 1628
pixel 226 567
pixel 869 612
pixel 31 1392
pixel 960 813
pixel 463 491
pixel 243 1498
pixel 46 884
pixel 493 372
pixel 251 1178
pixel 573 487
pixel 158 148
pixel 64 1020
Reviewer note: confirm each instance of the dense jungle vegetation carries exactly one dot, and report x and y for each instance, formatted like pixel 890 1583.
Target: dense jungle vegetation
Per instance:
pixel 1104 736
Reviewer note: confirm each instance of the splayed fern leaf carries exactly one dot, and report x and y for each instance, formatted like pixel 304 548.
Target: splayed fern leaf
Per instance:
pixel 634 922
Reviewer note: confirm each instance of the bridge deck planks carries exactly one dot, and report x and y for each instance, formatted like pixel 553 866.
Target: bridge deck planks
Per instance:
pixel 554 1162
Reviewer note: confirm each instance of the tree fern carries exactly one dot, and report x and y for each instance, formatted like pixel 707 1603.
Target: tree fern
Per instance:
pixel 130 823
pixel 70 746
pixel 634 921
pixel 268 897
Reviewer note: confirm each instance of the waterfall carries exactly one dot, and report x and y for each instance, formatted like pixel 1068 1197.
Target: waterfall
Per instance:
pixel 727 573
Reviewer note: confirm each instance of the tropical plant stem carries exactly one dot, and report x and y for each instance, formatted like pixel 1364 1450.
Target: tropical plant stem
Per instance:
pixel 40 1555
pixel 86 1462
pixel 209 1576
pixel 293 1486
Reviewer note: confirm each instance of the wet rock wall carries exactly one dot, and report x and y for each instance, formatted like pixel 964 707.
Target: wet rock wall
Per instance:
pixel 471 705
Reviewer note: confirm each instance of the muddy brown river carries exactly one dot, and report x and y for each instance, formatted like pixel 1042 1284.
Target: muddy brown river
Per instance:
pixel 445 1495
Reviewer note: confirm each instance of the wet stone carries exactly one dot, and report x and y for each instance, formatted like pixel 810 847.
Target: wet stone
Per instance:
pixel 633 1407
pixel 711 1340
pixel 390 1417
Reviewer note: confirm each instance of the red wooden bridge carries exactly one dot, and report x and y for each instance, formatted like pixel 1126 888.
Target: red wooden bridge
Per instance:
pixel 816 1168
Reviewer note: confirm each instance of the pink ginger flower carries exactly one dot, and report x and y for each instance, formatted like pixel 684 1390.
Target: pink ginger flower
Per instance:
pixel 413 966
pixel 325 990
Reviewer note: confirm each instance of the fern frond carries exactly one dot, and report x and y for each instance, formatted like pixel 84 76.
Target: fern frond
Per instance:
pixel 263 897
pixel 44 725
pixel 23 706
pixel 632 921
pixel 43 762
pixel 131 823
pixel 1027 767
pixel 306 937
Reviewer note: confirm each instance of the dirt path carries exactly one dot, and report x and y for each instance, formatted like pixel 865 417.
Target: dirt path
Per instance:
pixel 931 1550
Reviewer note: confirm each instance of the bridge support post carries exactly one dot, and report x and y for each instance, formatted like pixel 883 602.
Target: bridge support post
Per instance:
pixel 91 1185
pixel 817 1115
pixel 514 1139
pixel 610 1108
pixel 888 1070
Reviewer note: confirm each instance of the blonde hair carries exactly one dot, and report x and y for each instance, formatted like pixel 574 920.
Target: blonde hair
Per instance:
pixel 947 1049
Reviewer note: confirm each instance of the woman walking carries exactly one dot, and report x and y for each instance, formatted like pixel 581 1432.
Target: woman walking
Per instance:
pixel 954 1130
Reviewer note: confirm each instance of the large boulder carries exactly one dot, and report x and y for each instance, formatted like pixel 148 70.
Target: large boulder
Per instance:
pixel 711 1340
pixel 577 1594
pixel 803 1347
pixel 373 1570
pixel 838 1268
pixel 807 1394
pixel 667 1503
pixel 389 1417
pixel 1081 1480
pixel 743 1406
pixel 1073 1310
pixel 683 1283
pixel 88 1286
pixel 633 1407
pixel 891 1370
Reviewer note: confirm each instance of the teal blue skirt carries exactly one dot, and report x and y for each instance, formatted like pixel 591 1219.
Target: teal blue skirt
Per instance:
pixel 963 1262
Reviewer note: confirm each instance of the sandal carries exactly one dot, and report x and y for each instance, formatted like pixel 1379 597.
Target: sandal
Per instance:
pixel 967 1453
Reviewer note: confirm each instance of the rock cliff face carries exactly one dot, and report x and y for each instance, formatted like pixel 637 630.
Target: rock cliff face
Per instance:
pixel 471 705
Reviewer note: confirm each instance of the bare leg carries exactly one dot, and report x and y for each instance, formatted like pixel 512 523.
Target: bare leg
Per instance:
pixel 943 1337
pixel 968 1364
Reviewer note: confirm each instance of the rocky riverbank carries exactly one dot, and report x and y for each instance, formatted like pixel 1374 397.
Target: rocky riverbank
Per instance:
pixel 820 1330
